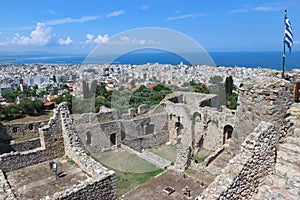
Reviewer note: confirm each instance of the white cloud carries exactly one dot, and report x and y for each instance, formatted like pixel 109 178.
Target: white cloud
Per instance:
pixel 20 28
pixel 296 42
pixel 115 13
pixel 142 42
pixel 72 20
pixel 67 41
pixel 124 39
pixel 127 40
pixel 89 38
pixel 51 12
pixel 145 7
pixel 42 35
pixel 191 15
pixel 101 39
pixel 265 8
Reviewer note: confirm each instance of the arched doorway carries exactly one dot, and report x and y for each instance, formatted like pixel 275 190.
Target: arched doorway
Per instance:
pixel 227 133
pixel 178 127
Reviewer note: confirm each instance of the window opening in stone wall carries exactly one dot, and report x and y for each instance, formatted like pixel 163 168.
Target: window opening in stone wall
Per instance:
pixel 113 139
pixel 15 129
pixel 88 138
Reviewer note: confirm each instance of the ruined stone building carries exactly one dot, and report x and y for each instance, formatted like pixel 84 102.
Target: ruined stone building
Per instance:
pixel 260 140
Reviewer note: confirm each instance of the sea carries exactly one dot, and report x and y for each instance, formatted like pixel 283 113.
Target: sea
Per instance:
pixel 252 59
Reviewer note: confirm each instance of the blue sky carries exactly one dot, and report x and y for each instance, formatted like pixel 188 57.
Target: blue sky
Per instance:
pixel 73 26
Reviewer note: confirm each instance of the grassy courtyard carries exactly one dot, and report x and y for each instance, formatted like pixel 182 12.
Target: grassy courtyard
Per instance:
pixel 165 151
pixel 131 171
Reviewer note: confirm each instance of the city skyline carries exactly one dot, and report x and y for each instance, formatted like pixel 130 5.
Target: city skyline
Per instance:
pixel 77 27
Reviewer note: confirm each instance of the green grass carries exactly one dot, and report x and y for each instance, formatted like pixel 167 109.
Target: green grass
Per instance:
pixel 125 161
pixel 24 181
pixel 47 115
pixel 131 171
pixel 167 152
pixel 201 158
pixel 126 181
pixel 202 155
pixel 71 162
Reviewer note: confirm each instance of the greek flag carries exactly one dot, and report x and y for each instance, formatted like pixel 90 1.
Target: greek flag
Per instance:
pixel 288 34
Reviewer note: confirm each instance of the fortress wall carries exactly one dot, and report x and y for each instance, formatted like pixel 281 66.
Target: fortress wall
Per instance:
pixel 102 182
pixel 261 99
pixel 26 130
pixel 247 170
pixel 146 141
pixel 102 189
pixel 52 146
pixel 57 139
pixel 16 160
pixel 20 146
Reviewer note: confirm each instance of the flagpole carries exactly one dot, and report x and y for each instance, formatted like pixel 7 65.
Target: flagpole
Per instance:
pixel 283 55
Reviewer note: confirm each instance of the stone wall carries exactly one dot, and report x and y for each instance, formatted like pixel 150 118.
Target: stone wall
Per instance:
pixel 247 170
pixel 98 137
pixel 18 131
pixel 90 189
pixel 26 145
pixel 20 146
pixel 261 99
pixel 183 159
pixel 102 184
pixel 139 132
pixel 143 142
pixel 104 115
pixel 5 189
pixel 196 122
pixel 52 146
pixel 213 156
pixel 58 138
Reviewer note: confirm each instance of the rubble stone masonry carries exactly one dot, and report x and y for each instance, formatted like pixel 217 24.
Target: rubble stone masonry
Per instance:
pixel 246 171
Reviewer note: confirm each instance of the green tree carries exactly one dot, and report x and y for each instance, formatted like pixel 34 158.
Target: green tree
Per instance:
pixel 101 90
pixel 102 101
pixel 231 97
pixel 12 112
pixel 63 87
pixel 26 106
pixel 38 106
pixel 31 107
pixel 160 87
pixel 229 85
pixel 9 96
pixel 55 91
